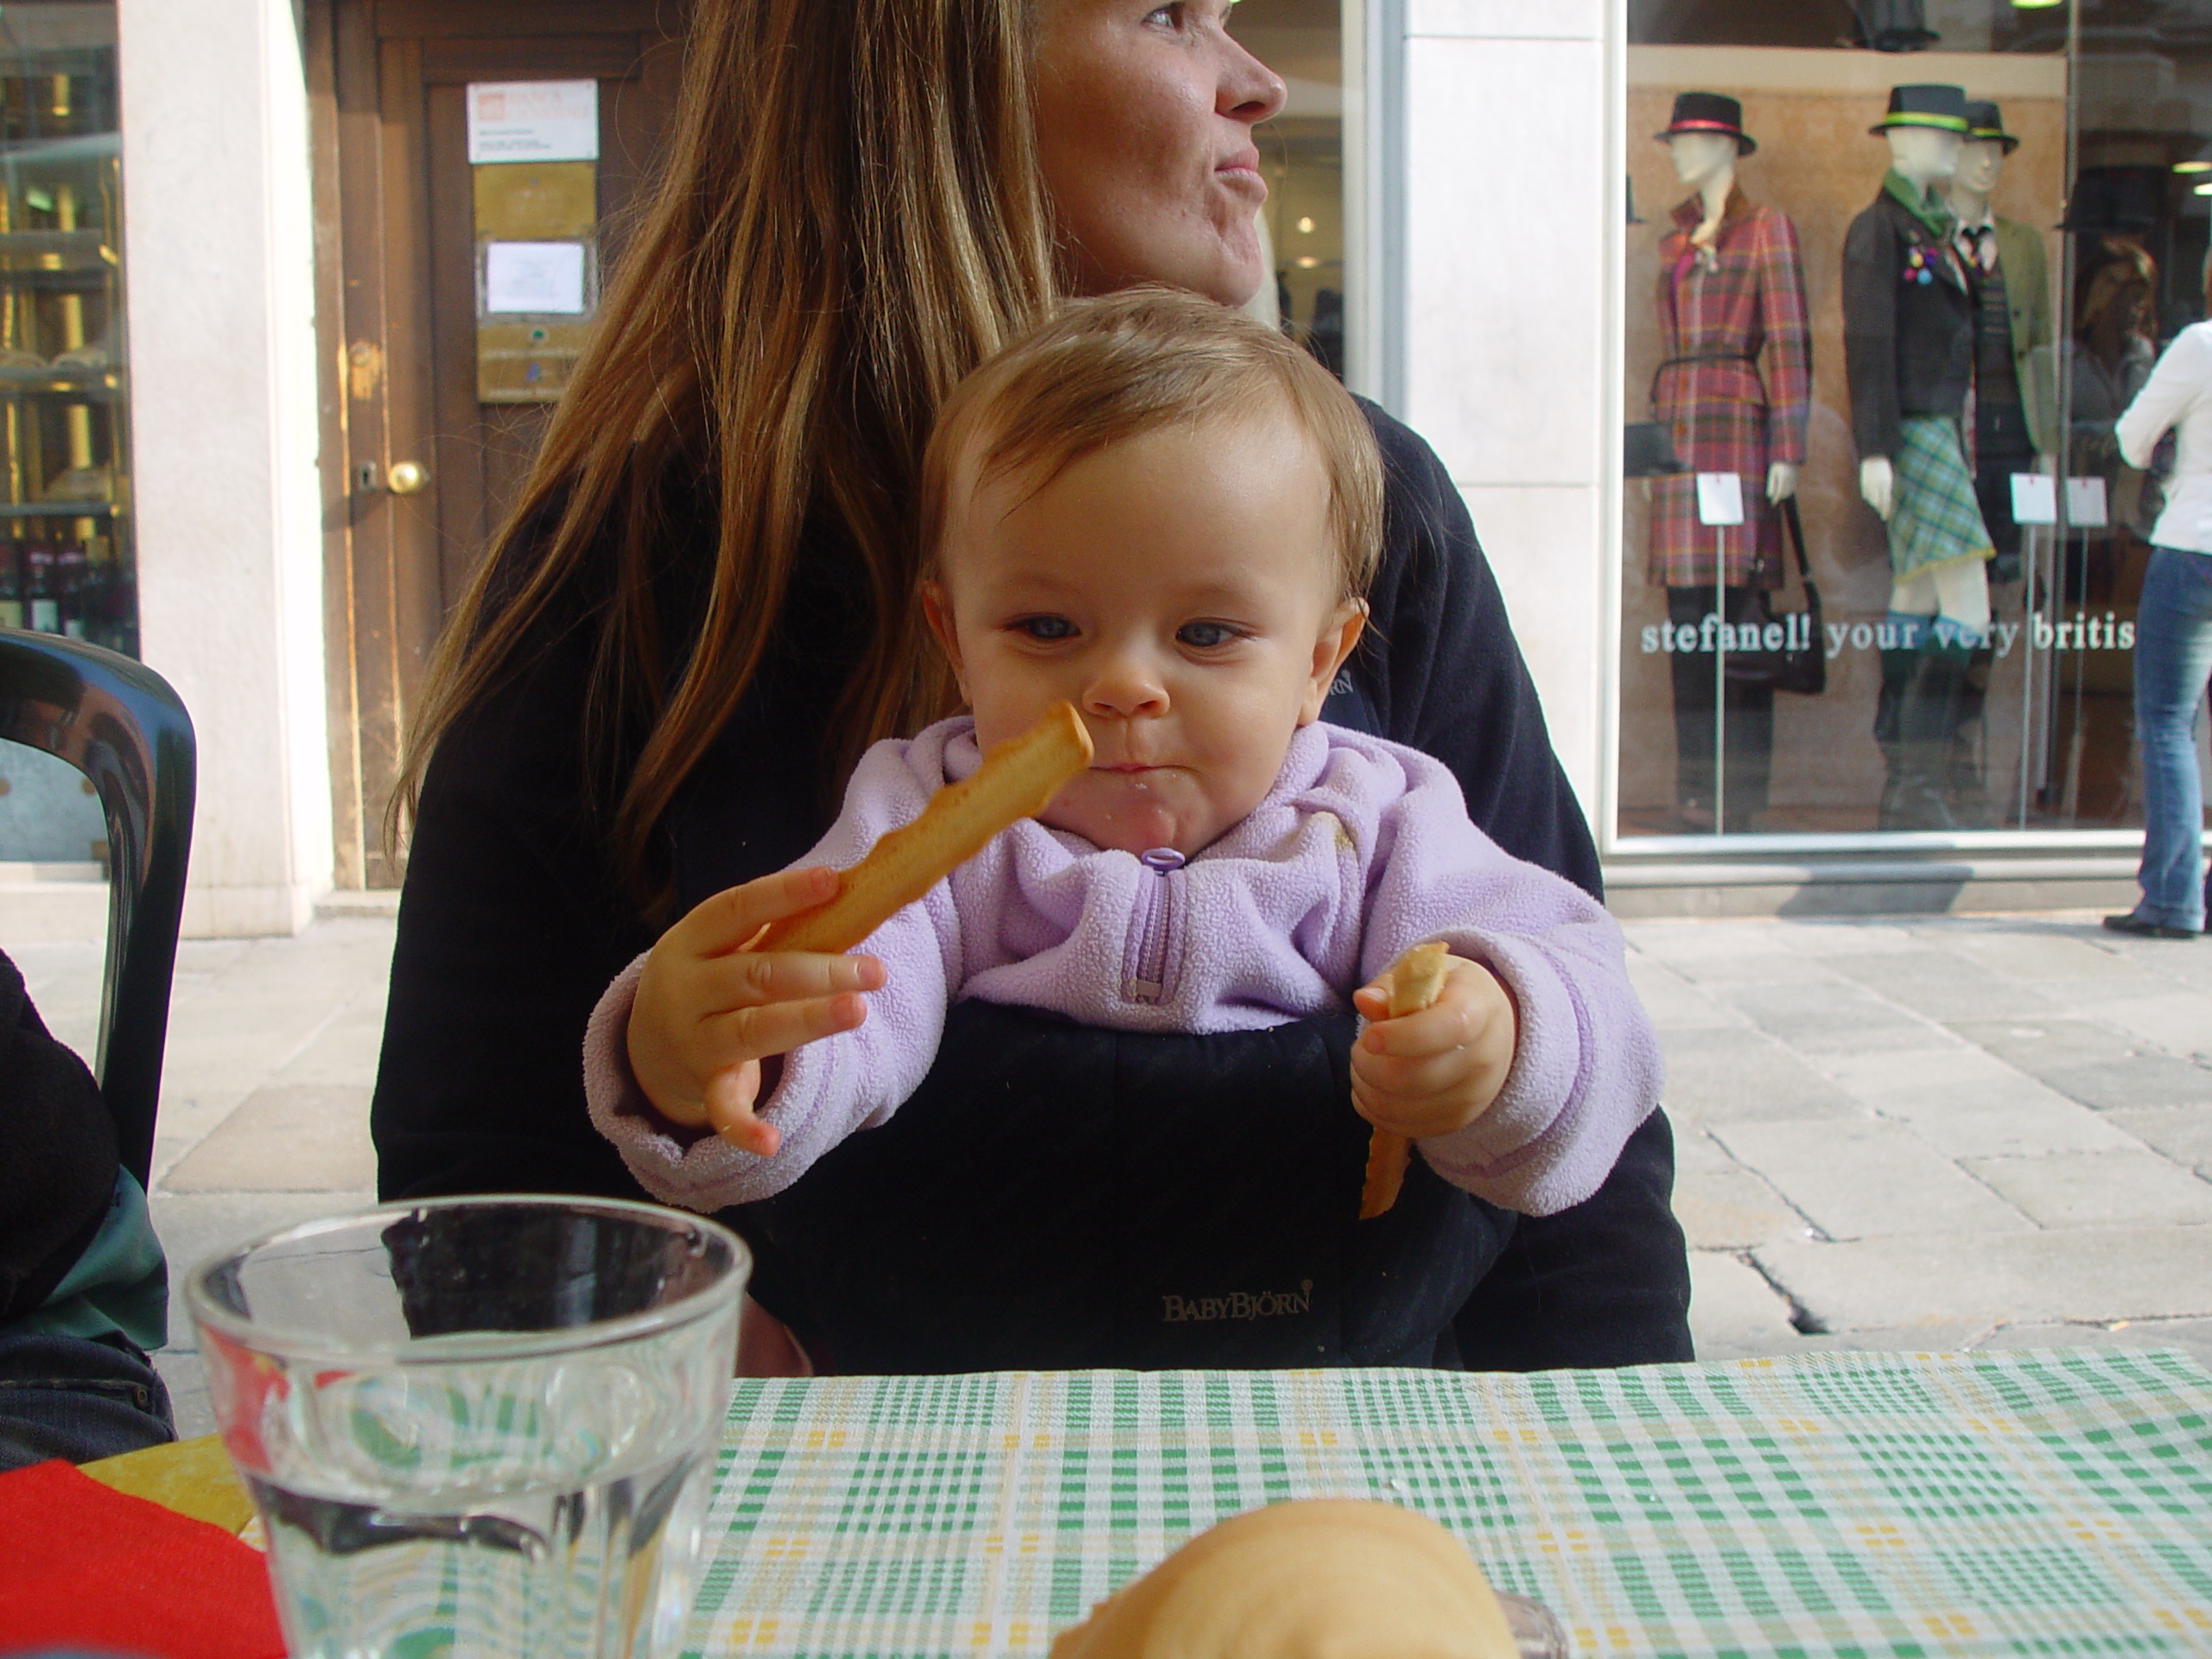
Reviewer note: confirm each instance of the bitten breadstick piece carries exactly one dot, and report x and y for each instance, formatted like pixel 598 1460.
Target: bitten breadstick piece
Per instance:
pixel 1017 780
pixel 1415 979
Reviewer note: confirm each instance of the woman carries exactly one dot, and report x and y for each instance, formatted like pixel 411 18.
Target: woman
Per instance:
pixel 2173 636
pixel 706 608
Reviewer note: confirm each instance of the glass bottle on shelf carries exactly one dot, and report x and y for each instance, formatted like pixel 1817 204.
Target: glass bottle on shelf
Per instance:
pixel 42 605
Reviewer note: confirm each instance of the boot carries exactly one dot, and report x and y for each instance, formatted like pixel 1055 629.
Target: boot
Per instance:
pixel 1919 795
pixel 1898 668
pixel 1969 782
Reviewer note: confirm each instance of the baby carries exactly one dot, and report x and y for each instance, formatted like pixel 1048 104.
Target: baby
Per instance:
pixel 1165 514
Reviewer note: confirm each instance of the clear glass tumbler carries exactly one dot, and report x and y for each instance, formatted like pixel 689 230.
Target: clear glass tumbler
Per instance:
pixel 478 1428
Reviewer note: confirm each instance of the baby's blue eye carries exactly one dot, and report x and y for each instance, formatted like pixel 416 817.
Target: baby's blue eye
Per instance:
pixel 1205 636
pixel 1046 627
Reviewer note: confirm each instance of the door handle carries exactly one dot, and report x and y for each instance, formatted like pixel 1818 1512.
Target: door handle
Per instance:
pixel 407 478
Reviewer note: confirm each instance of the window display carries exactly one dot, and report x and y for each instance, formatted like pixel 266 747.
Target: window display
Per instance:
pixel 1842 310
pixel 66 560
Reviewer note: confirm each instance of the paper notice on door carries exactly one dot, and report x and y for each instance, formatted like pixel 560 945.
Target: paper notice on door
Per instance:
pixel 1719 499
pixel 533 121
pixel 535 278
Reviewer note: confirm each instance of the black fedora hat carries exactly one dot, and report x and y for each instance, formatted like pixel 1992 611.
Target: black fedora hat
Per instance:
pixel 1986 124
pixel 1925 105
pixel 1709 112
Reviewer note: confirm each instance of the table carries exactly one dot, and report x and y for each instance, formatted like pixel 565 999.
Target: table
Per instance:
pixel 2056 1503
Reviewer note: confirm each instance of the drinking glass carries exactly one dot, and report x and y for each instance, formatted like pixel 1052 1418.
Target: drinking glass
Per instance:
pixel 478 1427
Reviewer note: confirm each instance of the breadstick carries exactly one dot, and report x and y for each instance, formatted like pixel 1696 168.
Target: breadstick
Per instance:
pixel 1017 780
pixel 1415 979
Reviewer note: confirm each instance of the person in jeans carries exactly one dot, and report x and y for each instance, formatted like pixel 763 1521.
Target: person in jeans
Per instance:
pixel 2173 639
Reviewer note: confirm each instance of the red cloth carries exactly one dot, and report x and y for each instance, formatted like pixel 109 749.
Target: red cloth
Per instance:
pixel 85 1566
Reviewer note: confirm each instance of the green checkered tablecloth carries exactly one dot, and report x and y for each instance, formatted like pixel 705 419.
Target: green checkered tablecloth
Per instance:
pixel 1836 1504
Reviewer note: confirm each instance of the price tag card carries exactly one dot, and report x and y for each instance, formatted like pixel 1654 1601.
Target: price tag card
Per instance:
pixel 2085 503
pixel 2034 498
pixel 1719 499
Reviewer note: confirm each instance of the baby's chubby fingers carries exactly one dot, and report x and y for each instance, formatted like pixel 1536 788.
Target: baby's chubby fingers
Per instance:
pixel 729 920
pixel 1435 1070
pixel 735 1035
pixel 730 1098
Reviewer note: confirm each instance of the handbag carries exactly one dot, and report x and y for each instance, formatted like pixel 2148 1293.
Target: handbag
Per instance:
pixel 1799 663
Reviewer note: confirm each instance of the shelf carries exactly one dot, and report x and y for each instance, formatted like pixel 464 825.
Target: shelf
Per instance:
pixel 88 386
pixel 78 258
pixel 81 147
pixel 60 510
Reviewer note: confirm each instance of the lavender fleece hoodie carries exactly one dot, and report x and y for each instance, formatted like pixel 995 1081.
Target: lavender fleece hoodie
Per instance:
pixel 1361 849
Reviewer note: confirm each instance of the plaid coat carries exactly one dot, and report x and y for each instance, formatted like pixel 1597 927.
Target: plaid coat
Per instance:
pixel 1717 314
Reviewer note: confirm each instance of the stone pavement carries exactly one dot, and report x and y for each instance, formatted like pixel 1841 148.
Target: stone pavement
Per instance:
pixel 1947 1133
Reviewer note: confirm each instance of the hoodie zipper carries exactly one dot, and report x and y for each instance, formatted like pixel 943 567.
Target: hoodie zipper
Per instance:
pixel 1147 981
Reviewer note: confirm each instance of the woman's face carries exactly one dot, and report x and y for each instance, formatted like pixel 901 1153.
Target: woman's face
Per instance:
pixel 1145 113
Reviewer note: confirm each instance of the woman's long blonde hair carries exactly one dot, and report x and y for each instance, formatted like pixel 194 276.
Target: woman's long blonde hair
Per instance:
pixel 848 220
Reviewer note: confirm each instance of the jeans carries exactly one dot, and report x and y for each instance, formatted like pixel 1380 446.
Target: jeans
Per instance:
pixel 2173 659
pixel 76 1399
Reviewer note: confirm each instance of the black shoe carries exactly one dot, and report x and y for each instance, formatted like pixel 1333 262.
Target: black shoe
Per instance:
pixel 2134 924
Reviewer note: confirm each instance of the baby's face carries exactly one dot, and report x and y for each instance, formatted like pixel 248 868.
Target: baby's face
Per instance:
pixel 1179 589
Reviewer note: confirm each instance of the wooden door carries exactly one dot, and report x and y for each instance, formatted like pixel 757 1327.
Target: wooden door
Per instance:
pixel 397 211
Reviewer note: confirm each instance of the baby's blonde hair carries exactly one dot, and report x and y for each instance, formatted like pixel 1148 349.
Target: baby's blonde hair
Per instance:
pixel 1103 371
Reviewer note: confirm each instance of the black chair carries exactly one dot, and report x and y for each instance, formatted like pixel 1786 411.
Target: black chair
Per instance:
pixel 118 722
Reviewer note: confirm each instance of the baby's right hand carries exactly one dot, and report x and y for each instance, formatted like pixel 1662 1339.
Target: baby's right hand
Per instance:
pixel 708 1011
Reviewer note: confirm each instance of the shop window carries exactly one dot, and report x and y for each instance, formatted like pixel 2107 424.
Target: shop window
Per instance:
pixel 1801 301
pixel 65 538
pixel 65 555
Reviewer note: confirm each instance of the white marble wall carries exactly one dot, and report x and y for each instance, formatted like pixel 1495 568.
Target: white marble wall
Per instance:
pixel 1510 264
pixel 219 255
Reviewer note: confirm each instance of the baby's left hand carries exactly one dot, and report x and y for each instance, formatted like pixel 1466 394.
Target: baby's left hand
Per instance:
pixel 1437 1071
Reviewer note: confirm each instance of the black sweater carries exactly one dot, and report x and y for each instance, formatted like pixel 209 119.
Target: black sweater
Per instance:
pixel 511 923
pixel 1908 345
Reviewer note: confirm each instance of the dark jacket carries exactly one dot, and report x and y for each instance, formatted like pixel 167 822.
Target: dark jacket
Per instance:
pixel 1908 345
pixel 58 1174
pixel 1005 1190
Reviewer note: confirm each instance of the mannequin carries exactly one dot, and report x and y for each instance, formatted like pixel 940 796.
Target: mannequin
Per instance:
pixel 1734 389
pixel 1910 311
pixel 2015 397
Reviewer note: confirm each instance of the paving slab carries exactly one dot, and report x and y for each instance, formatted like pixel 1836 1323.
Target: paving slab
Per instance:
pixel 1732 1076
pixel 1861 1178
pixel 2095 1189
pixel 1732 1209
pixel 1939 985
pixel 1837 937
pixel 2078 1274
pixel 2033 952
pixel 288 1137
pixel 1671 1001
pixel 1831 1014
pixel 1734 1312
pixel 2179 1021
pixel 2090 1062
pixel 1956 1073
pixel 2183 1132
pixel 2041 1123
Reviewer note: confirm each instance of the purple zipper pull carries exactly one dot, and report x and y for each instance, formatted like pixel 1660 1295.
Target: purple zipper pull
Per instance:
pixel 1162 860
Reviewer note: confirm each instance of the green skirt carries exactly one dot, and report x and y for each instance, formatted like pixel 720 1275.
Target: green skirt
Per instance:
pixel 1936 520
